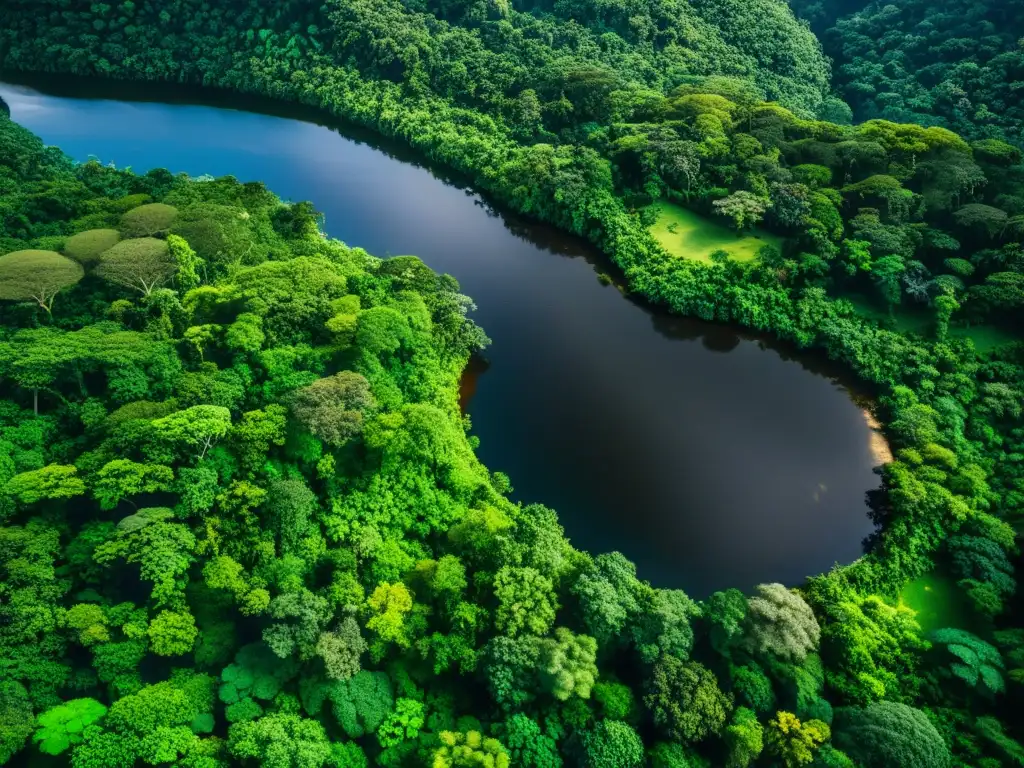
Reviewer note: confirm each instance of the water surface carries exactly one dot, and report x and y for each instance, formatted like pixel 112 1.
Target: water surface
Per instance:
pixel 710 458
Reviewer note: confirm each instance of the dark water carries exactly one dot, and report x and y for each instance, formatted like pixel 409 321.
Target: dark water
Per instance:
pixel 711 459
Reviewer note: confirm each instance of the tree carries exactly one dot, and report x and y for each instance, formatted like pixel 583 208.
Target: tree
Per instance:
pixel 403 724
pixel 280 740
pixel 37 276
pixel 147 220
pixel 121 478
pixel 685 700
pixel 54 481
pixel 887 273
pixel 982 566
pixel 291 505
pixel 510 668
pixel 256 674
pixel 187 264
pixel 86 247
pixel 341 650
pixel 744 738
pixel 526 601
pixel 789 204
pixel 616 700
pixel 163 550
pixel 567 664
pixel 609 595
pixel 388 606
pixel 871 649
pixel 143 264
pixel 890 735
pixel 744 208
pixel 300 619
pixel 980 216
pixel 332 408
pixel 172 633
pixel 781 623
pixel 257 432
pixel 469 750
pixel 664 626
pixel 945 307
pixel 16 719
pixel 752 687
pixel 528 746
pixel 194 429
pixel 246 334
pixel 611 744
pixel 794 742
pixel 359 705
pixel 970 659
pixel 61 727
pixel 725 613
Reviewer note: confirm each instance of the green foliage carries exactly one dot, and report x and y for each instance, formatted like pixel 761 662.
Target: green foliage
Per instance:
pixel 340 650
pixel 402 724
pixel 794 742
pixel 609 596
pixel 61 727
pixel 280 741
pixel 37 276
pixel 664 627
pixel 616 700
pixel 278 528
pixel 86 247
pixel 468 750
pixel 172 633
pixel 744 738
pixel 743 208
pixel 526 601
pixel 54 481
pixel 388 606
pixel 685 700
pixel 528 746
pixel 871 649
pixel 187 264
pixel 611 744
pixel 359 705
pixel 148 220
pixel 567 664
pixel 121 478
pixel 887 735
pixel 970 659
pixel 142 264
pixel 781 623
pixel 16 719
pixel 332 408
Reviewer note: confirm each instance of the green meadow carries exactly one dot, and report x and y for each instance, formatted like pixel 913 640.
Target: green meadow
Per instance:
pixel 685 233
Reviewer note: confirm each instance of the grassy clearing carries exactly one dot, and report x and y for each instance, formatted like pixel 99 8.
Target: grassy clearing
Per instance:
pixel 921 320
pixel 689 235
pixel 938 602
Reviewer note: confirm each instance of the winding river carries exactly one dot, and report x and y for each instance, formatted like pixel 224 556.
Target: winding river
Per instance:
pixel 710 458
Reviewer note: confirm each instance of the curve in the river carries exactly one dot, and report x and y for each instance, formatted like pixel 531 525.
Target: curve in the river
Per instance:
pixel 710 458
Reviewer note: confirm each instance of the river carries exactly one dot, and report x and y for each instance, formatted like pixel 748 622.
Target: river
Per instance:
pixel 710 458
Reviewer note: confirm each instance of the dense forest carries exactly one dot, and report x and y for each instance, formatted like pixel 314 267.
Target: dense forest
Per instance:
pixel 958 64
pixel 242 519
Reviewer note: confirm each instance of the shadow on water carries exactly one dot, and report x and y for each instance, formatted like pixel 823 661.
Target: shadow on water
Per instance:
pixel 710 456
